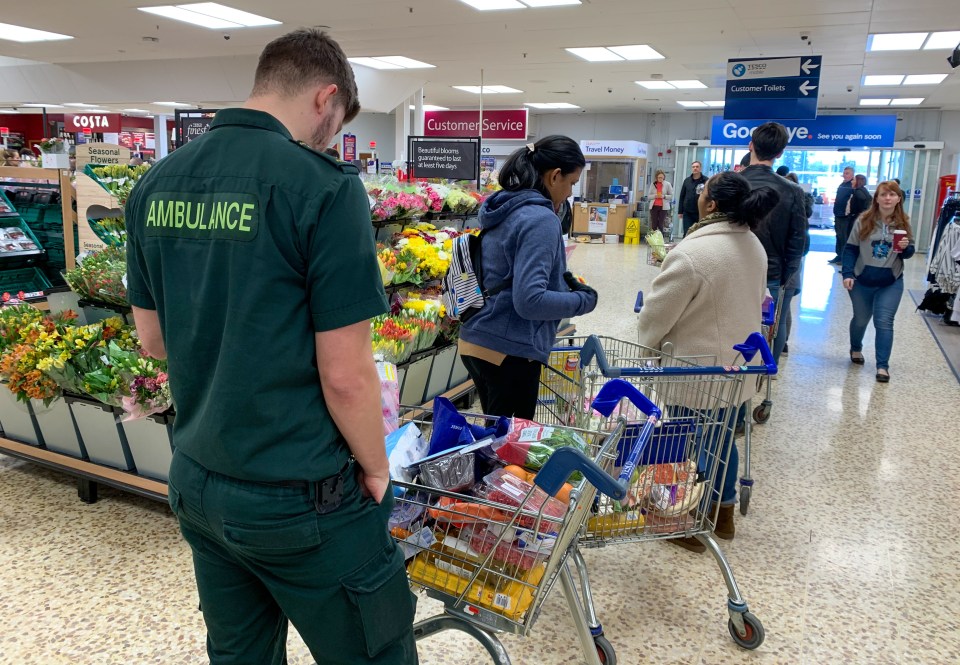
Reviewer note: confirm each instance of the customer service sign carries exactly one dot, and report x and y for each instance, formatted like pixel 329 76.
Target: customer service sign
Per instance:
pixel 509 125
pixel 826 131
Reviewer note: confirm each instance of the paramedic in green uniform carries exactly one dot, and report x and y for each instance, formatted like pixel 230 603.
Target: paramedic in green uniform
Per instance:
pixel 252 267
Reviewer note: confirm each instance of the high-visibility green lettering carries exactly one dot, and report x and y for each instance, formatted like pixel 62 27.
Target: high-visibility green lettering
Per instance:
pixel 232 216
pixel 245 216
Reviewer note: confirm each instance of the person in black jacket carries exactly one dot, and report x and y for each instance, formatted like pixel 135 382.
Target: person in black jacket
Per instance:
pixel 859 202
pixel 785 231
pixel 688 211
pixel 841 223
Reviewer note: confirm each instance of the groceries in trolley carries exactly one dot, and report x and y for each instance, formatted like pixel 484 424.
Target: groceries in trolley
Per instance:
pixel 468 516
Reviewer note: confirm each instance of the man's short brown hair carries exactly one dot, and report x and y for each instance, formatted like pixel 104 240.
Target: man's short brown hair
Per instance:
pixel 304 58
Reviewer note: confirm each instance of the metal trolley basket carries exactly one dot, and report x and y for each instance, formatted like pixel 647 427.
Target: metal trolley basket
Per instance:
pixel 492 561
pixel 671 489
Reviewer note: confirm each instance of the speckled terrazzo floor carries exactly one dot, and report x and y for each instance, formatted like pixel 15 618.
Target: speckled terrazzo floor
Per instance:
pixel 847 555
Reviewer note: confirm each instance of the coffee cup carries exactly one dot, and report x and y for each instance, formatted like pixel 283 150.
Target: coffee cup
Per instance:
pixel 899 240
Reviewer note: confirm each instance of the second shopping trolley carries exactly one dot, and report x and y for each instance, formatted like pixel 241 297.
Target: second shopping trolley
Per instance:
pixel 676 485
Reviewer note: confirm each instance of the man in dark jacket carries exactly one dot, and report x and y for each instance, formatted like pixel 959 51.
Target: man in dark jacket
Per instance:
pixel 688 210
pixel 841 222
pixel 859 201
pixel 784 232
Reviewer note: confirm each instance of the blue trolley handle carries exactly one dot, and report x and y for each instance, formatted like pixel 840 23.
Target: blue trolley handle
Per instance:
pixel 639 304
pixel 566 460
pixel 754 344
pixel 769 313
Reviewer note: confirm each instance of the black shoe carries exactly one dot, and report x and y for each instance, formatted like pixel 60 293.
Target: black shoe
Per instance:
pixel 785 350
pixel 835 261
pixel 883 378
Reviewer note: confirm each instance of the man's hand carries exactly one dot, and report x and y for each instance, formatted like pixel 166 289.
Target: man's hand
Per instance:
pixel 848 284
pixel 374 486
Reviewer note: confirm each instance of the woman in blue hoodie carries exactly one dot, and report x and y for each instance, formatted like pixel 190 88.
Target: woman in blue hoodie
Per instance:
pixel 506 343
pixel 873 272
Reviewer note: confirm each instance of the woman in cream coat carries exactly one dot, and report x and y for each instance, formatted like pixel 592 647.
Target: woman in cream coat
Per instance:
pixel 708 297
pixel 660 195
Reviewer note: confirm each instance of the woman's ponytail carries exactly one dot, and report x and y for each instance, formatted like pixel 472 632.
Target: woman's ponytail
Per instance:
pixel 524 168
pixel 756 206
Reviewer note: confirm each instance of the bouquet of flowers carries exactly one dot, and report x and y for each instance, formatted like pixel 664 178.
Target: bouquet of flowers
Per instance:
pixel 393 340
pixel 398 205
pixel 111 230
pixel 461 202
pixel 54 146
pixel 21 364
pixel 118 179
pixel 435 195
pixel 101 276
pixel 13 320
pixel 387 259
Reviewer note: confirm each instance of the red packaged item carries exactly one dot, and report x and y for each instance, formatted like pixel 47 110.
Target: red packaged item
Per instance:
pixel 514 555
pixel 507 489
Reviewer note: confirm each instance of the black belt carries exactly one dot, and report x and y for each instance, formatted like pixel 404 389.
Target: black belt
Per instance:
pixel 327 493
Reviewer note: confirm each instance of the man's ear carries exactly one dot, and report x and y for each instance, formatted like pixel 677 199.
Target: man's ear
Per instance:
pixel 325 94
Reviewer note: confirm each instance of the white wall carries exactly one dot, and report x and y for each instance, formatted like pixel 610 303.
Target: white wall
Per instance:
pixel 379 127
pixel 950 135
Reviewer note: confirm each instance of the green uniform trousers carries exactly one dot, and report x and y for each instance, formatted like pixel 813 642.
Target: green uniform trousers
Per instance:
pixel 263 554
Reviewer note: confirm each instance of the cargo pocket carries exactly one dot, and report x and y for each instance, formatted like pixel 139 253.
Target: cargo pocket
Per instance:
pixel 381 594
pixel 173 499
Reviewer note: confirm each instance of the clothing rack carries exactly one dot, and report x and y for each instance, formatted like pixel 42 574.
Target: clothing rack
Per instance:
pixel 950 210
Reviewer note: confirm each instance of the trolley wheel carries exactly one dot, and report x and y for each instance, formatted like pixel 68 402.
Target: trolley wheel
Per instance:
pixel 753 636
pixel 761 414
pixel 605 650
pixel 745 499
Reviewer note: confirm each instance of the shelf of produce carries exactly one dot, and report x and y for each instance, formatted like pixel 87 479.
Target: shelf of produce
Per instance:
pixel 89 475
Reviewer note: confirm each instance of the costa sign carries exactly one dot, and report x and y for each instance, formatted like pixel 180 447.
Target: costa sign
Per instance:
pixel 102 123
pixel 503 125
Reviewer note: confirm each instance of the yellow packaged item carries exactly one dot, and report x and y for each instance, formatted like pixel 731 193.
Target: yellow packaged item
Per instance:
pixel 616 524
pixel 491 591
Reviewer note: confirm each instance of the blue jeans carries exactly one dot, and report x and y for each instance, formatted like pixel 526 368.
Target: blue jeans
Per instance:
pixel 783 326
pixel 879 303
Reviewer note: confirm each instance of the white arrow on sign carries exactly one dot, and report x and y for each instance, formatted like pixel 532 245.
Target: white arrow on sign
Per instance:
pixel 807 66
pixel 805 88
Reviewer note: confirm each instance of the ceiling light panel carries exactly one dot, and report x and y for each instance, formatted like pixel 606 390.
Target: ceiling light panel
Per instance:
pixel 551 105
pixel 135 111
pixel 80 105
pixel 595 54
pixel 693 105
pixel 405 63
pixel 487 89
pixel 550 3
pixel 490 5
pixel 171 104
pixel 43 106
pixel 687 85
pixel 210 15
pixel 656 85
pixel 883 79
pixel 875 102
pixel 373 63
pixel 896 41
pixel 241 18
pixel 715 105
pixel 942 40
pixel 636 52
pixel 924 79
pixel 17 33
pixel 907 101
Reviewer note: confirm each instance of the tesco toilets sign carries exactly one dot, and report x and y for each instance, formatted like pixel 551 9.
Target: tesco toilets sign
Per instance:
pixel 98 123
pixel 828 131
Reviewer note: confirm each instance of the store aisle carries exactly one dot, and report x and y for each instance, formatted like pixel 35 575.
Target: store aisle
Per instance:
pixel 847 555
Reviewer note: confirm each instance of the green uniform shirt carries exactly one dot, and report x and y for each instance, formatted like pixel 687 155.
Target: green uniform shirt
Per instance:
pixel 247 243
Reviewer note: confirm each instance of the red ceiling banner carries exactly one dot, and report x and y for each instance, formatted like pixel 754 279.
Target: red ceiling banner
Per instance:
pixel 508 125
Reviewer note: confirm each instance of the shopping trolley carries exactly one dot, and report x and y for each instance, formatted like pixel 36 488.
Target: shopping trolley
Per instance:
pixel 492 561
pixel 671 490
pixel 770 320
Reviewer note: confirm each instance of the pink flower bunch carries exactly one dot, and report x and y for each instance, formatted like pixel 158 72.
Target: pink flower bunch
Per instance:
pixel 433 197
pixel 398 205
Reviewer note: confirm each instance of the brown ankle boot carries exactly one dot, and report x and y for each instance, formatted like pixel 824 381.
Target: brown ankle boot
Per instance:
pixel 690 544
pixel 725 528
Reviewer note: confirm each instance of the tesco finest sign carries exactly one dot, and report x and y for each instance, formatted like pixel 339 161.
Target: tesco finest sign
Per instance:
pixel 503 125
pixel 101 123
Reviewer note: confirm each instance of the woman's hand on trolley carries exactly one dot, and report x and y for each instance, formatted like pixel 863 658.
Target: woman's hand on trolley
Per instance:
pixel 848 284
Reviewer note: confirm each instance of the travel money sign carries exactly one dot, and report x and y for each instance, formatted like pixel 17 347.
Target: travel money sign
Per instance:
pixel 777 88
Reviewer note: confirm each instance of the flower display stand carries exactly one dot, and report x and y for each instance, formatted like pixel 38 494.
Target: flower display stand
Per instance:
pixel 150 444
pixel 17 419
pixel 102 435
pixel 58 428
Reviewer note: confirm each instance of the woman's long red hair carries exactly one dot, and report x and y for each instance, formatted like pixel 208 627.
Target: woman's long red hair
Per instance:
pixel 870 219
